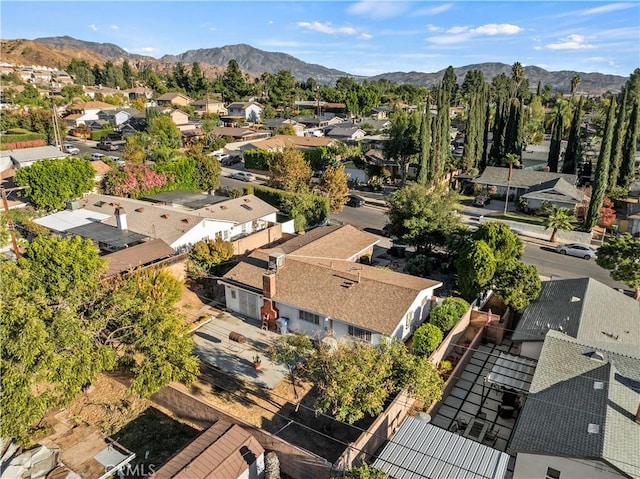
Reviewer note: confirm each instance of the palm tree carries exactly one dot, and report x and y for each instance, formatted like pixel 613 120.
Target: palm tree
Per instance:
pixel 575 81
pixel 512 159
pixel 560 219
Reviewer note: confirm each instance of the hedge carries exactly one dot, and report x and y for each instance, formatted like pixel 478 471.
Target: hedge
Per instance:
pixel 316 214
pixel 446 315
pixel 258 159
pixel 98 134
pixel 18 136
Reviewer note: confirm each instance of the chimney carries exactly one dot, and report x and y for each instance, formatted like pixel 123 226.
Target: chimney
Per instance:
pixel 121 218
pixel 269 284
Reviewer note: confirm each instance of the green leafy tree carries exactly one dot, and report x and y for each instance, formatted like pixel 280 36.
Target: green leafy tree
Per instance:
pixel 504 243
pixel 446 315
pixel 365 472
pixel 292 350
pixel 281 88
pixel 54 182
pixel 207 254
pixel 289 171
pixel 357 378
pixel 601 180
pixel 208 169
pixel 334 185
pixel 421 217
pixel 403 143
pixel 234 86
pixel 516 283
pixel 560 219
pixel 572 154
pixel 427 338
pixel 476 267
pixel 164 132
pixel 622 256
pixel 425 148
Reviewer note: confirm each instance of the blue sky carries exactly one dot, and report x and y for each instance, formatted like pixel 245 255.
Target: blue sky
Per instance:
pixel 360 37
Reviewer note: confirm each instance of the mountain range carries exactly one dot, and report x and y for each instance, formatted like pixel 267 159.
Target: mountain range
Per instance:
pixel 256 62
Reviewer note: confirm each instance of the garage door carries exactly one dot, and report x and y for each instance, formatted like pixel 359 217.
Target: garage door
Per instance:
pixel 249 304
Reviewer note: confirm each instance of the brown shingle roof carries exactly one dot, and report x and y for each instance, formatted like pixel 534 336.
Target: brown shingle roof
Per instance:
pixel 92 105
pixel 280 141
pixel 365 296
pixel 138 255
pixel 344 242
pixel 100 167
pixel 215 454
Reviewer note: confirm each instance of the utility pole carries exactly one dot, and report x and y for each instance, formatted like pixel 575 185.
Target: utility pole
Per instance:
pixel 10 225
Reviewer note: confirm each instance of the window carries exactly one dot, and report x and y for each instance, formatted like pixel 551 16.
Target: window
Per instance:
pixel 309 317
pixel 243 227
pixel 552 473
pixel 233 294
pixel 225 235
pixel 361 334
pixel 408 320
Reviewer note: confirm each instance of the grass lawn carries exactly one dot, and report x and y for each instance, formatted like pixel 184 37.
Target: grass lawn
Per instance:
pixel 520 217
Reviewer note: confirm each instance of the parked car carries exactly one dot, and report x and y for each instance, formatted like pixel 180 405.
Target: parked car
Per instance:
pixel 117 159
pixel 228 160
pixel 482 200
pixel 577 249
pixel 355 201
pixel 97 156
pixel 244 176
pixel 107 146
pixel 113 136
pixel 72 150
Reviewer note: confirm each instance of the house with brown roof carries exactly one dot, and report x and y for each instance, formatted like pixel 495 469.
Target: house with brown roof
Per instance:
pixel 223 451
pixel 208 105
pixel 315 286
pixel 279 142
pixel 173 99
pixel 82 113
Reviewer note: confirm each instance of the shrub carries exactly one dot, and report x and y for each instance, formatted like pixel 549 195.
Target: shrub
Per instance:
pixel 258 159
pixel 446 315
pixel 304 208
pixel 419 265
pixel 426 338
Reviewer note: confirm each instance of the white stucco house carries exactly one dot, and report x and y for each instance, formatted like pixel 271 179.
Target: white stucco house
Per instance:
pixel 314 286
pixel 250 111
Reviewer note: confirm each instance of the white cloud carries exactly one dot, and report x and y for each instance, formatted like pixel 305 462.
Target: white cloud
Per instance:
pixel 365 36
pixel 378 9
pixel 497 29
pixel 433 28
pixel 460 34
pixel 571 42
pixel 93 27
pixel 612 7
pixel 114 27
pixel 144 49
pixel 445 7
pixel 327 28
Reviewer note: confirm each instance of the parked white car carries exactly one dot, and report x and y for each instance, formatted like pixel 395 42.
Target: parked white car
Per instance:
pixel 244 176
pixel 70 149
pixel 96 156
pixel 577 249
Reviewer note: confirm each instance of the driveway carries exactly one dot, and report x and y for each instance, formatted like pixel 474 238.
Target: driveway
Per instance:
pixel 214 347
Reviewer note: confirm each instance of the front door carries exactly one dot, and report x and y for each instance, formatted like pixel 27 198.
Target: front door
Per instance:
pixel 248 304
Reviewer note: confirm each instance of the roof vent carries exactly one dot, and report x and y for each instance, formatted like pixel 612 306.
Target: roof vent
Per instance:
pixel 139 210
pixel 598 385
pixel 593 428
pixel 246 207
pixel 575 299
pixel 165 216
pixel 223 207
pixel 596 355
pixel 185 220
pixel 247 200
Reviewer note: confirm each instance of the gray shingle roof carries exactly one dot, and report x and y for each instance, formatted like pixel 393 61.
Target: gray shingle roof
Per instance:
pixel 28 155
pixel 563 401
pixel 497 176
pixel 583 308
pixel 555 190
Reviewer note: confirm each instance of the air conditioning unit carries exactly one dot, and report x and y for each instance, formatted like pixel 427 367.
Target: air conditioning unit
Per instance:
pixel 276 261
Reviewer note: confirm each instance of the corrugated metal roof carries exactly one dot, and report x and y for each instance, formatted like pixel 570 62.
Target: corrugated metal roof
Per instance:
pixel 420 450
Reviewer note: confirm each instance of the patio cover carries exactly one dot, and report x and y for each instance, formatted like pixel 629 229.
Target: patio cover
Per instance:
pixel 512 372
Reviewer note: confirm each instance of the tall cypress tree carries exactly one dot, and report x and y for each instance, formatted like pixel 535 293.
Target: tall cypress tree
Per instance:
pixel 618 140
pixel 425 147
pixel 556 142
pixel 627 166
pixel 487 129
pixel 572 152
pixel 474 88
pixel 602 170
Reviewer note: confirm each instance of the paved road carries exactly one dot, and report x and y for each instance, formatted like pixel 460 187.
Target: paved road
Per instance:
pixel 548 262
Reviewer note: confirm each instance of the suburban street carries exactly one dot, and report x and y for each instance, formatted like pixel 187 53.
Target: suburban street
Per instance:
pixel 549 263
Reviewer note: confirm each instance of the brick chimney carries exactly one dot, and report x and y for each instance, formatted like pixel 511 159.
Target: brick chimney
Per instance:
pixel 121 218
pixel 268 312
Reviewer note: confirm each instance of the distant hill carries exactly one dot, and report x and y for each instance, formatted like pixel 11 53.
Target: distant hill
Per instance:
pixel 594 83
pixel 28 52
pixel 256 62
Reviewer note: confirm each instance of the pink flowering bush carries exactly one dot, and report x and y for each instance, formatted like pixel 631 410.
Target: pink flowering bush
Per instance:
pixel 133 181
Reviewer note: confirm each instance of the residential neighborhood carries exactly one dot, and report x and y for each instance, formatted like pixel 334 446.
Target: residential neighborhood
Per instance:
pixel 215 272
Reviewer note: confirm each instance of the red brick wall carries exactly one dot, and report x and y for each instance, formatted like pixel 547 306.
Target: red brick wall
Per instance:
pixel 17 145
